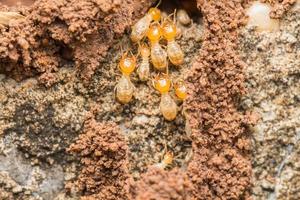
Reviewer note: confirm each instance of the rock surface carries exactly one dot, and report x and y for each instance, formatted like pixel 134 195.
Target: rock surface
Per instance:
pixel 61 128
pixel 273 93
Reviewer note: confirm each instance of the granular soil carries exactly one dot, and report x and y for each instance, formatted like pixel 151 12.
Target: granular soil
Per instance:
pixel 55 117
pixel 157 183
pixel 55 32
pixel 103 155
pixel 221 167
pixel 279 7
pixel 72 47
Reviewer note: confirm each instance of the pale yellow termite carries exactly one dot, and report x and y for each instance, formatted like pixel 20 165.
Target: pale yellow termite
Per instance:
pixel 125 88
pixel 167 105
pixel 180 90
pixel 183 17
pixel 158 54
pixel 174 51
pixel 140 29
pixel 144 67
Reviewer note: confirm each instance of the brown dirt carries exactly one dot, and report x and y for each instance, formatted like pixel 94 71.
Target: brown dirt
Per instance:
pixel 279 7
pixel 103 155
pixel 79 33
pixel 58 32
pixel 14 2
pixel 221 167
pixel 160 184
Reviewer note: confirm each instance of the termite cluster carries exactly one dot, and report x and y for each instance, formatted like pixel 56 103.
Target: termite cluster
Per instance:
pixel 157 30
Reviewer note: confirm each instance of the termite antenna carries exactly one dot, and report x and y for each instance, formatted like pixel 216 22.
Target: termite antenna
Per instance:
pixel 165 147
pixel 174 16
pixel 167 69
pixel 158 3
pixel 154 79
pixel 139 48
pixel 169 17
pixel 153 82
pixel 131 53
pixel 155 23
pixel 121 48
pixel 144 40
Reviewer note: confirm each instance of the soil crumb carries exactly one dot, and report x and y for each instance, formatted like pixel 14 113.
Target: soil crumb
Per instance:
pixel 57 32
pixel 16 2
pixel 221 167
pixel 279 7
pixel 163 185
pixel 66 43
pixel 103 155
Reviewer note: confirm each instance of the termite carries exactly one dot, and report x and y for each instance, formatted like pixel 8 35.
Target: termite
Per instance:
pixel 174 51
pixel 125 88
pixel 180 89
pixel 167 105
pixel 144 67
pixel 168 158
pixel 183 17
pixel 158 54
pixel 139 30
pixel 166 161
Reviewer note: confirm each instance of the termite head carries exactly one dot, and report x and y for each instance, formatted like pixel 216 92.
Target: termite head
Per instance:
pixel 144 50
pixel 155 13
pixel 166 161
pixel 154 33
pixel 168 29
pixel 168 158
pixel 127 64
pixel 180 89
pixel 162 83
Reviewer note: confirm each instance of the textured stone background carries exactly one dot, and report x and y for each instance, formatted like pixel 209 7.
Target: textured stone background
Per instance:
pixel 66 94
